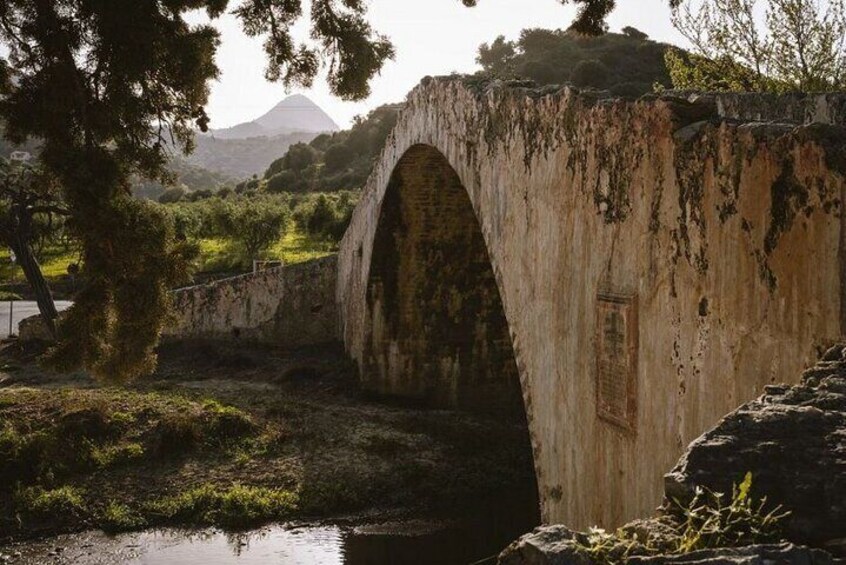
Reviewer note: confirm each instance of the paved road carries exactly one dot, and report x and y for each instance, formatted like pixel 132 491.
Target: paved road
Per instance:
pixel 22 309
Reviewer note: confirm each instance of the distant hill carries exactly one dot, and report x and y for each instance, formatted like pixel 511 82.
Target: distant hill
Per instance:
pixel 240 158
pixel 189 178
pixel 248 149
pixel 296 113
pixel 627 63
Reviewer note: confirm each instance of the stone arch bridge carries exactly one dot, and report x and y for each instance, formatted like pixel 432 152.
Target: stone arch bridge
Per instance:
pixel 626 272
pixel 622 273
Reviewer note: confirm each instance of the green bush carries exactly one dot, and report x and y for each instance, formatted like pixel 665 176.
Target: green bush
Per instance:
pixel 709 520
pixel 113 455
pixel 61 503
pixel 225 423
pixel 117 517
pixel 233 507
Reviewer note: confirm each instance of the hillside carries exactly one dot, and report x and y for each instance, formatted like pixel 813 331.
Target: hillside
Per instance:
pixel 240 158
pixel 191 178
pixel 627 63
pixel 331 162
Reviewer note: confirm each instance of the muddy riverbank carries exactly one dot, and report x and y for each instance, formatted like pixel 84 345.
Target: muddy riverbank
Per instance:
pixel 236 438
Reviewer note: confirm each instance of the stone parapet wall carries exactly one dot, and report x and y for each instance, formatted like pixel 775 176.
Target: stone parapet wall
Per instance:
pixel 290 306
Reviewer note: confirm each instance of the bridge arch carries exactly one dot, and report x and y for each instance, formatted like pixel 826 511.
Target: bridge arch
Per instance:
pixel 438 332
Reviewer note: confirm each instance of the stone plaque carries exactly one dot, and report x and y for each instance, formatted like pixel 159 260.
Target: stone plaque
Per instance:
pixel 616 360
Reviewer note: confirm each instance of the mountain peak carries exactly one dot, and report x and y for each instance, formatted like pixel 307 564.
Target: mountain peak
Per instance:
pixel 294 113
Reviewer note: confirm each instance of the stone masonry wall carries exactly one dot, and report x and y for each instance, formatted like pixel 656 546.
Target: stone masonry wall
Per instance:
pixel 658 262
pixel 289 307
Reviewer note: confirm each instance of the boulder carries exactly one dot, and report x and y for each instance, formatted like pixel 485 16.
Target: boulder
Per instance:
pixel 793 441
pixel 748 555
pixel 33 329
pixel 546 545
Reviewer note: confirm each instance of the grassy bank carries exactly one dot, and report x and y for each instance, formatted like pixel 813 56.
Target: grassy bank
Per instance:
pixel 233 439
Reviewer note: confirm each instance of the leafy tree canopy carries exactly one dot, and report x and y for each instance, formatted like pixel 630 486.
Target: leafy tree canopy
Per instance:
pixel 797 45
pixel 106 85
pixel 627 64
pixel 331 162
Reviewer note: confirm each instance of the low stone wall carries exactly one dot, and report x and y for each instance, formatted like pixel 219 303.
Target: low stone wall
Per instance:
pixel 290 306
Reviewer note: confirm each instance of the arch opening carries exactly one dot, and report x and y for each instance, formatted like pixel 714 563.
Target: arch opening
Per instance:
pixel 438 332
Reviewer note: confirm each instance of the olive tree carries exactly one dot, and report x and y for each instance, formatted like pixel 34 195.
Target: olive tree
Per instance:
pixel 29 198
pixel 254 223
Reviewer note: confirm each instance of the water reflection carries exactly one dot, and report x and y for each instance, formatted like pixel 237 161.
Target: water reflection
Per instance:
pixel 408 543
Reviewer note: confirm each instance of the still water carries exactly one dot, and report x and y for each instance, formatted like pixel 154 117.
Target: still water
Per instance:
pixel 477 538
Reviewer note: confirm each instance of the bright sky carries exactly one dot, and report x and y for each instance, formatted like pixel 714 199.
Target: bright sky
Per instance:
pixel 432 37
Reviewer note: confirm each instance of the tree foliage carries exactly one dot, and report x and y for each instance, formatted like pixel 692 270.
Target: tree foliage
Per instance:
pixel 591 16
pixel 30 210
pixel 628 63
pixel 107 86
pixel 798 45
pixel 331 162
pixel 255 223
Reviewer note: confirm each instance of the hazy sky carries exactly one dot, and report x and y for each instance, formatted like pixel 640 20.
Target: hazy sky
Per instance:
pixel 432 37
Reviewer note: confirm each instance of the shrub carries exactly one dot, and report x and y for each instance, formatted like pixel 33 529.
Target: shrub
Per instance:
pixel 338 157
pixel 237 506
pixel 225 423
pixel 177 432
pixel 113 455
pixel 255 223
pixel 173 194
pixel 709 520
pixel 590 73
pixel 712 521
pixel 61 503
pixel 117 517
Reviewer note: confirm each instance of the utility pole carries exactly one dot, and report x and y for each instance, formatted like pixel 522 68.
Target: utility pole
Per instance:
pixel 11 299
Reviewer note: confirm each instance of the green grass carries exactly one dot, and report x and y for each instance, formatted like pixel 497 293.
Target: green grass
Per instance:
pixel 298 247
pixel 41 503
pixel 220 255
pixel 54 264
pixel 216 255
pixel 117 517
pixel 234 507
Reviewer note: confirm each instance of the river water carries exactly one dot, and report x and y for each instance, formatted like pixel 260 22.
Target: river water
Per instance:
pixel 474 538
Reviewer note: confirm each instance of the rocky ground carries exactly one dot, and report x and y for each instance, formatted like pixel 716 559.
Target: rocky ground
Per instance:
pixel 766 485
pixel 233 437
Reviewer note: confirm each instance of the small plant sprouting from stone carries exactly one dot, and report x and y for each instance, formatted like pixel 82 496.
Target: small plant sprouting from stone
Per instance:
pixel 709 520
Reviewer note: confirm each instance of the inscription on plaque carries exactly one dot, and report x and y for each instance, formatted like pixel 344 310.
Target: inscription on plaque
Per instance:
pixel 616 360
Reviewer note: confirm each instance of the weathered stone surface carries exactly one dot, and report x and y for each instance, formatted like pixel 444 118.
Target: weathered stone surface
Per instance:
pixel 749 555
pixel 557 545
pixel 33 328
pixel 726 237
pixel 793 440
pixel 291 306
pixel 546 545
